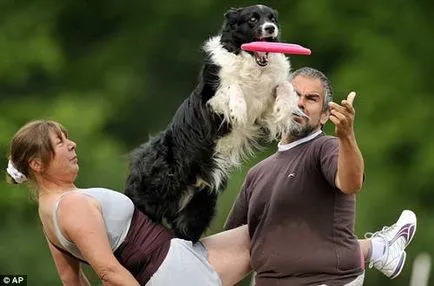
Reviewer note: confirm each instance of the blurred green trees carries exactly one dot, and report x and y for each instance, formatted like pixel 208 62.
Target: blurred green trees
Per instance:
pixel 114 72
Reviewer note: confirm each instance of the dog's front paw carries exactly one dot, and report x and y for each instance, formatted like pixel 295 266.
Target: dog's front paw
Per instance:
pixel 237 105
pixel 285 102
pixel 219 103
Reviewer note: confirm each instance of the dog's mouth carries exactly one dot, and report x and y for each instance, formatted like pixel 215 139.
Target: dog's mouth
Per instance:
pixel 267 39
pixel 261 58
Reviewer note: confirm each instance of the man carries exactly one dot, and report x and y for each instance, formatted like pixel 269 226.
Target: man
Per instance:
pixel 299 203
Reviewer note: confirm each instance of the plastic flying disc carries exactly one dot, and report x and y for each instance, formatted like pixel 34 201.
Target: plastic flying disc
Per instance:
pixel 275 47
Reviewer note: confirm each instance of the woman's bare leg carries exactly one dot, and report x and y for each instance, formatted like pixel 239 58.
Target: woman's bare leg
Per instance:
pixel 229 254
pixel 365 247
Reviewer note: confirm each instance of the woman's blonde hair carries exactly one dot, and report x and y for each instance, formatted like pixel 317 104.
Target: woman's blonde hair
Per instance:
pixel 33 141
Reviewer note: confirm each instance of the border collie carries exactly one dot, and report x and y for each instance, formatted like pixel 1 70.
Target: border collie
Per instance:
pixel 176 176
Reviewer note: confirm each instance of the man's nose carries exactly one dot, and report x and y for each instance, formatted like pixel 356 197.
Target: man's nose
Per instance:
pixel 300 102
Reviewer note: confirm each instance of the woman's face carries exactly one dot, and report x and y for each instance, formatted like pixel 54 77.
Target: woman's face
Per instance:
pixel 64 164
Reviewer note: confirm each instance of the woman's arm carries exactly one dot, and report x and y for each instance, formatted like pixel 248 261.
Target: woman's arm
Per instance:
pixel 81 221
pixel 68 268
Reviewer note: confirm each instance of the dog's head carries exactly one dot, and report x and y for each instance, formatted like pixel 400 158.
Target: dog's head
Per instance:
pixel 245 25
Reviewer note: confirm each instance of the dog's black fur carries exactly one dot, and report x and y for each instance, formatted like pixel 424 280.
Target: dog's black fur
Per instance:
pixel 240 28
pixel 181 159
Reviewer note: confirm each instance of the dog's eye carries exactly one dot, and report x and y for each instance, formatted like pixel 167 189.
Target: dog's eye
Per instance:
pixel 253 19
pixel 272 18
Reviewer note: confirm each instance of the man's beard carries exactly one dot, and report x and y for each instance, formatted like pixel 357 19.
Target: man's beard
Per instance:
pixel 298 131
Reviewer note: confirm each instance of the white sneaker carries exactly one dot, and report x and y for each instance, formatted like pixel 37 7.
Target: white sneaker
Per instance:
pixel 396 238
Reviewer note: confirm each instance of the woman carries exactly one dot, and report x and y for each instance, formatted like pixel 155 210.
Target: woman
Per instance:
pixel 101 227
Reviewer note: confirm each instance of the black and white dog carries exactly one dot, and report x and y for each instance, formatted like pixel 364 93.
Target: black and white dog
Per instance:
pixel 176 176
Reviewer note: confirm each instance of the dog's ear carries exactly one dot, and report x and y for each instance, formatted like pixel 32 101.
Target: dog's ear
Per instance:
pixel 232 14
pixel 276 15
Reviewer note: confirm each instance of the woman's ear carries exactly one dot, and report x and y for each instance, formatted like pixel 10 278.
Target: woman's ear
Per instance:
pixel 35 165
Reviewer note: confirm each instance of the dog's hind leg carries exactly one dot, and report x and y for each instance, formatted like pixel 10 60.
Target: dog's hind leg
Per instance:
pixel 191 222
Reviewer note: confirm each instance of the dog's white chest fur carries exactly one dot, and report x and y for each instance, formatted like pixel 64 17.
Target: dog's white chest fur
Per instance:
pixel 246 97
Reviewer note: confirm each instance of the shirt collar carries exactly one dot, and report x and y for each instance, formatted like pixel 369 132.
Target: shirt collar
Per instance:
pixel 284 147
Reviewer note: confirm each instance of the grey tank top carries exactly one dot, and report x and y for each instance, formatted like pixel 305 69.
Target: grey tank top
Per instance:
pixel 117 211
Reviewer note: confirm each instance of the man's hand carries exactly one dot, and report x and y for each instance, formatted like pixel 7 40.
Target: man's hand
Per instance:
pixel 342 116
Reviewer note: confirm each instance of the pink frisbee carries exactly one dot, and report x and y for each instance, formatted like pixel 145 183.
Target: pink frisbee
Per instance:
pixel 275 47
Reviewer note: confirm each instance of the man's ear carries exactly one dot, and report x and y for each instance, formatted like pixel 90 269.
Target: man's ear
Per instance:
pixel 324 117
pixel 231 15
pixel 36 165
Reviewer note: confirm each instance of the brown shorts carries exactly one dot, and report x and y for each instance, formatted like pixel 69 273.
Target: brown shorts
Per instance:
pixel 144 248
